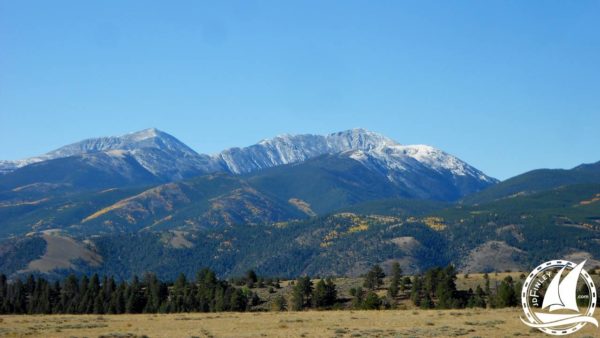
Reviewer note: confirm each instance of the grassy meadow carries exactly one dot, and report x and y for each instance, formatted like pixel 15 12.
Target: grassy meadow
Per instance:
pixel 390 323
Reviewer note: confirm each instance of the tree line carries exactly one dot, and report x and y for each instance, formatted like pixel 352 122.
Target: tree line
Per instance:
pixel 95 295
pixel 435 288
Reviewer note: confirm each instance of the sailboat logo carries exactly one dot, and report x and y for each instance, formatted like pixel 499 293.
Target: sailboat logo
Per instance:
pixel 568 302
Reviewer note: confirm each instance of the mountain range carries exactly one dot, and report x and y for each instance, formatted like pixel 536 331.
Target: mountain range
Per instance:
pixel 171 185
pixel 168 159
pixel 289 205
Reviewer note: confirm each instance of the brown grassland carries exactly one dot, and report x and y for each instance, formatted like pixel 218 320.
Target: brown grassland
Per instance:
pixel 383 323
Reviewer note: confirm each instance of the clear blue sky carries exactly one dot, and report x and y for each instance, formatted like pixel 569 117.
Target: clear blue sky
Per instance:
pixel 507 86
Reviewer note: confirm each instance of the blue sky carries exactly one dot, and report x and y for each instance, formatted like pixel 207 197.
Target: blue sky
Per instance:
pixel 507 86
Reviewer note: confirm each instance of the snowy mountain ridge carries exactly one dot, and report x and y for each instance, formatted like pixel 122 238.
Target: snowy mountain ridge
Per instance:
pixel 168 158
pixel 158 152
pixel 355 143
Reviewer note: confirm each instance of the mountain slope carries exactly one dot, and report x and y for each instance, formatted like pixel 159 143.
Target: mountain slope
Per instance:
pixel 84 172
pixel 330 182
pixel 205 202
pixel 536 181
pixel 288 177
pixel 314 187
pixel 513 234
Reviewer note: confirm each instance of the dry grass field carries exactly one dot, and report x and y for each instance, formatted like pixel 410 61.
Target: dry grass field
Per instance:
pixel 391 323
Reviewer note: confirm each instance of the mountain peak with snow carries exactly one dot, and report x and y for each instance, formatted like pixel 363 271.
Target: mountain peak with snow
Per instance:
pixel 169 159
pixel 158 152
pixel 359 144
pixel 144 134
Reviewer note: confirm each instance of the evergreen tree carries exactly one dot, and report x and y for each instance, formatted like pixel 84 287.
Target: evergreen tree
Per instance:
pixel 118 299
pixel 477 299
pixel 238 301
pixel 251 278
pixel 374 278
pixel 155 292
pixel 83 291
pixel 18 292
pixel 69 297
pixel 179 296
pixel 319 294
pixel 108 288
pixel 279 304
pixel 426 302
pixel 99 304
pixel 54 297
pixel 3 293
pixel 417 289
pixel 135 300
pixel 506 295
pixel 358 297
pixel 487 290
pixel 209 296
pixel 406 282
pixel 371 302
pixel 91 305
pixel 330 292
pixel 396 280
pixel 301 293
pixel 297 301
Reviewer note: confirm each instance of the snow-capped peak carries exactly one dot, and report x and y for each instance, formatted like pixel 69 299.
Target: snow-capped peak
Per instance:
pixel 401 157
pixel 156 151
pixel 360 144
pixel 144 134
pixel 167 157
pixel 355 139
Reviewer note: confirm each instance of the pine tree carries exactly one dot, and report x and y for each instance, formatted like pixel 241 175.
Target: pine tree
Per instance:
pixel 330 292
pixel 135 301
pixel 320 295
pixel 406 282
pixel 301 293
pixel 426 302
pixel 109 287
pixel 18 292
pixel 279 304
pixel 506 295
pixel 479 297
pixel 417 288
pixel 251 278
pixel 487 290
pixel 30 286
pixel 371 301
pixel 297 302
pixel 91 294
pixel 396 280
pixel 54 297
pixel 99 304
pixel 238 300
pixel 358 296
pixel 69 297
pixel 153 293
pixel 374 278
pixel 83 291
pixel 3 291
